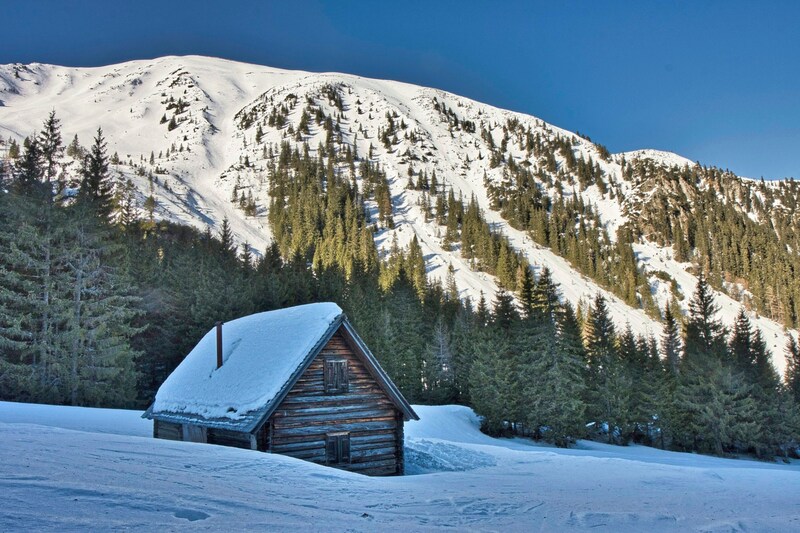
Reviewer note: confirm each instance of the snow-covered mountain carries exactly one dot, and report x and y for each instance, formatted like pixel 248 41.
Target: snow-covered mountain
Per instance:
pixel 210 126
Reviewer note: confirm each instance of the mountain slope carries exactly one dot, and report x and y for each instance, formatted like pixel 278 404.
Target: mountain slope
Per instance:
pixel 212 128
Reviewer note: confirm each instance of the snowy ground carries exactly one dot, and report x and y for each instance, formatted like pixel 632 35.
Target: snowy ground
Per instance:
pixel 75 469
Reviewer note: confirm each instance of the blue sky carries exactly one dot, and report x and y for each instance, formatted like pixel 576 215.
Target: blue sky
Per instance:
pixel 717 82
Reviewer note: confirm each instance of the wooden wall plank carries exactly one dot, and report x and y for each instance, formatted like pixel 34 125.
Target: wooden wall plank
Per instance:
pixel 234 439
pixel 307 414
pixel 167 430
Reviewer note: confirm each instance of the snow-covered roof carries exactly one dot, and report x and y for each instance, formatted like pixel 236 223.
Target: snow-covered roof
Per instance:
pixel 263 356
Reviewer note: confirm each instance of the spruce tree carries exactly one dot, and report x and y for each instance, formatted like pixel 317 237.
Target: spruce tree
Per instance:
pixel 463 336
pixel 525 285
pixel 671 341
pixel 550 370
pixel 490 380
pixel 609 386
pixel 29 174
pixel 705 334
pixel 96 187
pixel 401 339
pixel 75 150
pixel 741 345
pixel 51 148
pixel 227 245
pixel 792 376
pixel 723 412
pixel 504 310
pixel 96 328
pixel 715 410
pixel 437 366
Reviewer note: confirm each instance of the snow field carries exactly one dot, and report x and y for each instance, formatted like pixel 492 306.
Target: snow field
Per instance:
pixel 97 469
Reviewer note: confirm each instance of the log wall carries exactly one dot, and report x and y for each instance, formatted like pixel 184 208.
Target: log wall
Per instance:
pixel 307 414
pixel 225 437
pixel 167 430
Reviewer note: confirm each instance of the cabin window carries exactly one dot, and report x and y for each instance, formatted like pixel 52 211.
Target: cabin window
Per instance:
pixel 337 446
pixel 336 381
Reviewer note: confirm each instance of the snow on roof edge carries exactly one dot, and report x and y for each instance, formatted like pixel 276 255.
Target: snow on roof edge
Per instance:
pixel 261 354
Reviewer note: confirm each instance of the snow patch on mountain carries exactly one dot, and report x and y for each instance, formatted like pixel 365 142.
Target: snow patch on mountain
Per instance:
pixel 669 159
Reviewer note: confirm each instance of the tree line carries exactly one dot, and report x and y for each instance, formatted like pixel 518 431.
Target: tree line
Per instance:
pixel 97 308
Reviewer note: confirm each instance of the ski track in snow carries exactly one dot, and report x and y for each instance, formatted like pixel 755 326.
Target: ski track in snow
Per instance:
pixel 99 469
pixel 128 99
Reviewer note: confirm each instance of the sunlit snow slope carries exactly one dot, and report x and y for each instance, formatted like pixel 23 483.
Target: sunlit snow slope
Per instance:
pixel 213 147
pixel 70 469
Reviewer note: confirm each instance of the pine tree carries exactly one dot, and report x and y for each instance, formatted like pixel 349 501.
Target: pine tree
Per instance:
pixel 741 345
pixel 97 321
pixel 30 173
pixel 525 283
pixel 96 188
pixel 671 341
pixel 550 370
pixel 51 148
pixel 490 380
pixel 504 313
pixel 609 386
pixel 705 334
pixel 792 375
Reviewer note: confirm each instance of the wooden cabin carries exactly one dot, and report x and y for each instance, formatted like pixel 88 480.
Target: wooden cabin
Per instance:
pixel 296 381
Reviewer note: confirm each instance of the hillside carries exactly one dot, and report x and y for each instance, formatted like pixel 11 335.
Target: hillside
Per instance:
pixel 201 137
pixel 99 468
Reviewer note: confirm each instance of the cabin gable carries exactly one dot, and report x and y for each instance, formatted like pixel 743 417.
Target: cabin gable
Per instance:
pixel 336 413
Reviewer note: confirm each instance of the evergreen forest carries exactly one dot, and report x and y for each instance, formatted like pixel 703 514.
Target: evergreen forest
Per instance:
pixel 100 301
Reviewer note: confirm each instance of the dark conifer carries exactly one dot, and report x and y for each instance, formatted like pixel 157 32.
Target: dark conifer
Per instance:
pixel 792 376
pixel 51 148
pixel 96 187
pixel 504 310
pixel 671 341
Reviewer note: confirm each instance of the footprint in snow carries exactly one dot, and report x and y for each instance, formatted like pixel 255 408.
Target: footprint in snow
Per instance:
pixel 190 515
